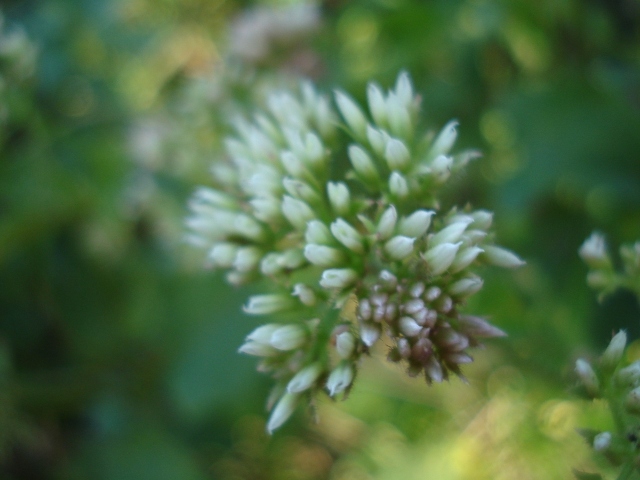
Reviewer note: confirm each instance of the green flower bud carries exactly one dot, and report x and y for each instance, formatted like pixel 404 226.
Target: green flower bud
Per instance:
pixel 387 223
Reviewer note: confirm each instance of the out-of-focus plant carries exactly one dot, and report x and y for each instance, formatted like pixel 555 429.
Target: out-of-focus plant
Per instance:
pixel 612 378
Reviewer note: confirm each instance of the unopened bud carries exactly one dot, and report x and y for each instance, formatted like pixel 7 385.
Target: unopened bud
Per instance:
pixel 305 293
pixel 282 411
pixel 589 378
pixel 318 232
pixel 352 114
pixel 340 378
pixel 440 257
pixel 416 224
pixel 612 355
pixel 397 155
pixel 465 287
pixel 323 256
pixel 339 197
pixel 387 223
pixel 464 258
pixel 398 185
pixel 288 337
pixel 451 233
pixel 377 105
pixel 369 333
pixel 602 441
pixel 338 278
pixel 345 344
pixel 297 212
pixel 445 140
pixel 347 235
pixel 501 257
pixel 305 378
pixel 594 252
pixel 268 303
pixel 409 327
pixel 399 247
pixel 628 376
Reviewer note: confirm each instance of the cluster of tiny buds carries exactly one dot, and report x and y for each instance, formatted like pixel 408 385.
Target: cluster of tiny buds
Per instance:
pixel 620 386
pixel 367 240
pixel 602 275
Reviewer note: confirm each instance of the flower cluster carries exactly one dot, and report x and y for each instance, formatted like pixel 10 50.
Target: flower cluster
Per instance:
pixel 618 383
pixel 602 275
pixel 339 210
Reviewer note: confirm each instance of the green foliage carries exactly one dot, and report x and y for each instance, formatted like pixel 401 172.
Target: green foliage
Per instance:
pixel 118 355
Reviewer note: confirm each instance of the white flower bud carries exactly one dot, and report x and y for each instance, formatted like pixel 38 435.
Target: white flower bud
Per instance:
pixel 433 370
pixel 501 257
pixel 347 235
pixel 338 278
pixel 248 227
pixel 223 254
pixel 323 256
pixel 363 165
pixel 247 259
pixel 416 224
pixel 270 264
pixel 398 185
pixel 397 155
pixel 282 411
pixel 352 114
pixel 291 258
pixel 213 197
pixel 268 303
pixel 257 349
pixel 293 165
pixel 588 377
pixel 301 190
pixel 377 105
pixel 409 327
pixel 464 258
pixel 263 333
pixel 478 327
pixel 594 252
pixel 364 309
pixel 399 247
pixel 445 140
pixel 340 378
pixel 305 378
pixel 318 232
pixel 414 305
pixel 377 140
pixel 305 293
pixel 314 151
pixel 440 168
pixel 440 257
pixel 628 376
pixel 451 233
pixel 602 441
pixel 465 287
pixel 345 344
pixel 369 333
pixel 266 208
pixel 288 337
pixel 387 223
pixel 339 197
pixel 482 219
pixel 297 212
pixel 612 355
pixel 399 118
pixel 404 90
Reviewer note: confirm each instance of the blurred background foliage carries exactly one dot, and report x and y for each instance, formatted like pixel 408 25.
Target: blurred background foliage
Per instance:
pixel 118 351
